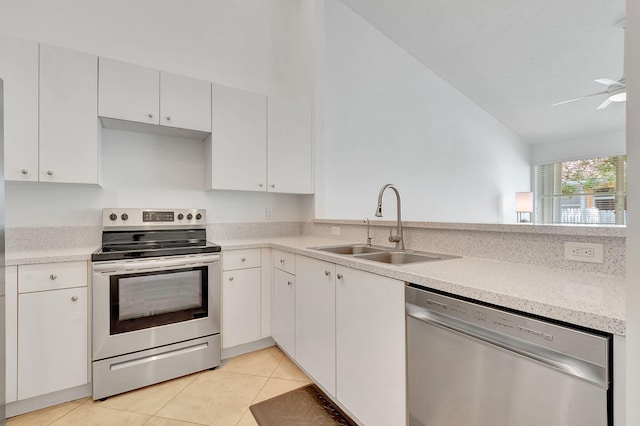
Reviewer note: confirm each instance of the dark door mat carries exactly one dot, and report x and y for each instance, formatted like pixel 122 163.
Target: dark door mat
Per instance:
pixel 305 406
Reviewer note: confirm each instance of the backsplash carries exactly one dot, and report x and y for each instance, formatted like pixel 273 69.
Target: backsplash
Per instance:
pixel 530 245
pixel 542 246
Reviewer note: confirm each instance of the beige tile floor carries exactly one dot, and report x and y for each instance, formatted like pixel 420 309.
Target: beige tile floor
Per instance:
pixel 219 397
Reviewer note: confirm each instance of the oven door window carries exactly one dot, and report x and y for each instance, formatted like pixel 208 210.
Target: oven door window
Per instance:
pixel 150 299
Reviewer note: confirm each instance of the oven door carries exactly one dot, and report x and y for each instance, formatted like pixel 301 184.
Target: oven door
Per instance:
pixel 141 304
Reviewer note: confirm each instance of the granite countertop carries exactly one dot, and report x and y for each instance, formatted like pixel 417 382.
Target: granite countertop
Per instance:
pixel 586 299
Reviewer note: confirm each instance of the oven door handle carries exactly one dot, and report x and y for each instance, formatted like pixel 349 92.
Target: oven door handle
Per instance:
pixel 154 265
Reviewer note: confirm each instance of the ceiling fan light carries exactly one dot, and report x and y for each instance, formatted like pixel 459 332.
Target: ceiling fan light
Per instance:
pixel 618 97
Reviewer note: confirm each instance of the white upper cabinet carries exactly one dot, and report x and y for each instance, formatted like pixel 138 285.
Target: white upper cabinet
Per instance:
pixel 185 102
pixel 129 92
pixel 290 153
pixel 238 143
pixel 68 118
pixel 139 94
pixel 19 72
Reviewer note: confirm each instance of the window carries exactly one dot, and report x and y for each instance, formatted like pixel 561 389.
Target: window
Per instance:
pixel 588 191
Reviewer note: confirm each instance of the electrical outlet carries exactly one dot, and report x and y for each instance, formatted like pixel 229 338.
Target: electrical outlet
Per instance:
pixel 584 252
pixel 270 214
pixel 335 230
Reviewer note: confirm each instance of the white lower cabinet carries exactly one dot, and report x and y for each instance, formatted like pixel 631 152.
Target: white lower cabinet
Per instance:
pixel 241 296
pixel 315 324
pixel 370 347
pixel 240 306
pixel 284 311
pixel 47 328
pixel 52 341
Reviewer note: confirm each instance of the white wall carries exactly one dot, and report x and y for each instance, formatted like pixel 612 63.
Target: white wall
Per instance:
pixel 591 146
pixel 390 119
pixel 260 46
pixel 143 170
pixel 632 74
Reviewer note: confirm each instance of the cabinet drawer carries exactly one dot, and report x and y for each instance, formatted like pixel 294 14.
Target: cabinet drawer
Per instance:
pixel 51 276
pixel 285 261
pixel 240 259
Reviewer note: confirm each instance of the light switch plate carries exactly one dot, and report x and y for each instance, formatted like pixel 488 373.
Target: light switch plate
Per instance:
pixel 584 252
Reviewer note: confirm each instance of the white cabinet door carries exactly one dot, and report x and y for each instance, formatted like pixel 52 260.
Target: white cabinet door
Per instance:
pixel 315 336
pixel 11 334
pixel 240 307
pixel 52 341
pixel 290 154
pixel 238 142
pixel 185 102
pixel 370 346
pixel 19 72
pixel 129 92
pixel 68 120
pixel 283 317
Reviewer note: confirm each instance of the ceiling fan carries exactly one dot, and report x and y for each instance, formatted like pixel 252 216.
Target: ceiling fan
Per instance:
pixel 616 91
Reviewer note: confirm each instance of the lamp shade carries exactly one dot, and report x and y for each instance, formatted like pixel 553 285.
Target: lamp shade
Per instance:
pixel 524 202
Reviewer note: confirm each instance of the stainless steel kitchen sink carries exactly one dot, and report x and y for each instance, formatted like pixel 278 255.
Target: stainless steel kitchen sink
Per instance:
pixel 351 249
pixel 400 257
pixel 387 255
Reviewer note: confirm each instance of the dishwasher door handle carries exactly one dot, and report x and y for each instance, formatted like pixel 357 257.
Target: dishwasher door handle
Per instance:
pixel 583 370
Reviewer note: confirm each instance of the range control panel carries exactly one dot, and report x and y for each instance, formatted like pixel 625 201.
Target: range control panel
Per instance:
pixel 153 218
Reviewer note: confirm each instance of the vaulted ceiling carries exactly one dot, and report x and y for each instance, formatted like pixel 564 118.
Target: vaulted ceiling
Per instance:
pixel 514 58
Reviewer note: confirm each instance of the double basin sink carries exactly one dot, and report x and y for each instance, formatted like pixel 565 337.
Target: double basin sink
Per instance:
pixel 384 254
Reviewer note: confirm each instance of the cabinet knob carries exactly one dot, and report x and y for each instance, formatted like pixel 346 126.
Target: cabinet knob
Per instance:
pixel 282 261
pixel 339 276
pixel 74 298
pixel 24 171
pixel 50 172
pixel 242 259
pixel 327 272
pixel 260 185
pixel 150 115
pixel 273 185
pixel 230 278
pixel 53 276
pixel 289 283
pixel 168 118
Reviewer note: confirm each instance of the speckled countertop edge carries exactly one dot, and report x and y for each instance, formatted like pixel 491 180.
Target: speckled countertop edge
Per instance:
pixel 590 300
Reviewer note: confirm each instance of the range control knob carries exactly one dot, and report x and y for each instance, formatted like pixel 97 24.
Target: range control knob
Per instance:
pixel 124 216
pixel 180 216
pixel 198 216
pixel 189 216
pixel 113 216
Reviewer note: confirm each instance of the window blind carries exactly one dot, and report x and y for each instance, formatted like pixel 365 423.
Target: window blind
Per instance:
pixel 587 191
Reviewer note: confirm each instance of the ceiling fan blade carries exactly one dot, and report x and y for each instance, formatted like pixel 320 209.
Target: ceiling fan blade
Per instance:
pixel 582 97
pixel 604 104
pixel 608 82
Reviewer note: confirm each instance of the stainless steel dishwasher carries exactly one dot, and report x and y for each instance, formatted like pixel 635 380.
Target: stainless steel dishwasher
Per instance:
pixel 475 365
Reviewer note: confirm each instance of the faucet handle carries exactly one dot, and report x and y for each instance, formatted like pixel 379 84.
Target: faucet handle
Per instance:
pixel 393 238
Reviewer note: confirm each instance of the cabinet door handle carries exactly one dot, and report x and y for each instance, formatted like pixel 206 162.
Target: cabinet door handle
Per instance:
pixel 282 261
pixel 168 118
pixel 289 283
pixel 24 171
pixel 242 259
pixel 327 272
pixel 74 298
pixel 230 278
pixel 50 172
pixel 53 276
pixel 150 115
pixel 339 276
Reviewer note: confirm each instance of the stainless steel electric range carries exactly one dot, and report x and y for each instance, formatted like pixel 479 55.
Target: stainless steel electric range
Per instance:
pixel 156 299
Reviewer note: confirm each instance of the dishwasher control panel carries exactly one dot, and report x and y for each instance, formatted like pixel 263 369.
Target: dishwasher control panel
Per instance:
pixel 587 346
